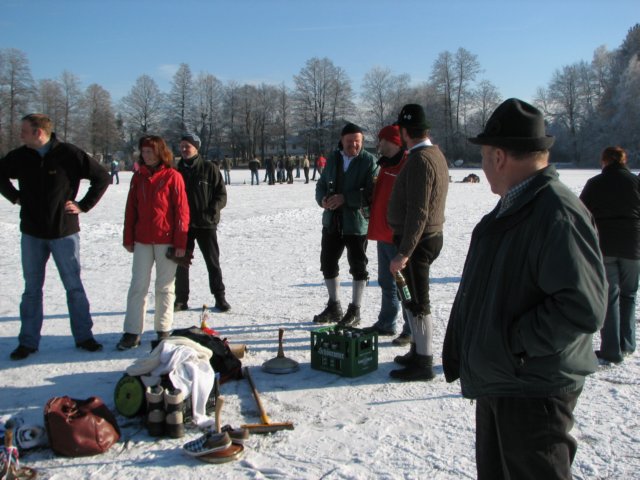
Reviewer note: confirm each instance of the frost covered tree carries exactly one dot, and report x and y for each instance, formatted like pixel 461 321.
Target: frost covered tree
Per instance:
pixel 142 107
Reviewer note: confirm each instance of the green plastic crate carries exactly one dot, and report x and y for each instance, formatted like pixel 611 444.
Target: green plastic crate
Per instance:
pixel 345 351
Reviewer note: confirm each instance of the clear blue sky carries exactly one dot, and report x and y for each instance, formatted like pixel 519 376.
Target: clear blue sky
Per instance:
pixel 112 42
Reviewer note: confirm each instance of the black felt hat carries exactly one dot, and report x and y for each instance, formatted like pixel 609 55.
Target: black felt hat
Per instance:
pixel 412 116
pixel 516 125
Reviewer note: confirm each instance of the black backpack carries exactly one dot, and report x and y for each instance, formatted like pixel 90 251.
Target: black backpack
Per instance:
pixel 223 360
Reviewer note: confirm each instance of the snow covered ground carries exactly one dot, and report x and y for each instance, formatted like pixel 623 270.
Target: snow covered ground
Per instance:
pixel 345 428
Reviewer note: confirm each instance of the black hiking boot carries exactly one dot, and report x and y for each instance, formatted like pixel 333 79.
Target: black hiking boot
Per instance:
pixel 420 369
pixel 221 303
pixel 22 352
pixel 331 314
pixel 351 318
pixel 407 358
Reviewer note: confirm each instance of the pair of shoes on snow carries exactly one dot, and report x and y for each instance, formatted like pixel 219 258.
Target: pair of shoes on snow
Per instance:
pixel 333 314
pixel 209 442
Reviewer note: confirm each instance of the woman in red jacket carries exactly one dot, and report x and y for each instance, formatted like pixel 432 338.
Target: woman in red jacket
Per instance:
pixel 156 218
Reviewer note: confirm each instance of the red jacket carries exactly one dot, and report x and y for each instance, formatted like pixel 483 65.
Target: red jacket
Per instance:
pixel 157 209
pixel 378 227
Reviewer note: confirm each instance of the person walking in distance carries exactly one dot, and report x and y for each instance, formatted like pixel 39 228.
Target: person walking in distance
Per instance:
pixel 48 173
pixel 207 196
pixel 532 293
pixel 416 217
pixel 390 163
pixel 226 166
pixel 344 191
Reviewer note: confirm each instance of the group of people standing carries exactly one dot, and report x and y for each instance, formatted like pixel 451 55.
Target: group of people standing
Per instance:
pixel 167 211
pixel 534 289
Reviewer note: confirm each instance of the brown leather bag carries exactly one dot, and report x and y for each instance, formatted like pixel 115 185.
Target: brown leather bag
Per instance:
pixel 79 428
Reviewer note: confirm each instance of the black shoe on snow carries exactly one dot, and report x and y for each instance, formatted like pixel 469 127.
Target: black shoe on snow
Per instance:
pixel 128 341
pixel 331 314
pixel 180 306
pixel 222 304
pixel 90 345
pixel 351 318
pixel 420 369
pixel 22 352
pixel 407 358
pixel 402 340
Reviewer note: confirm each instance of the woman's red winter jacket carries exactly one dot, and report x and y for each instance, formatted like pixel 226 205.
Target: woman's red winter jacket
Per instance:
pixel 157 209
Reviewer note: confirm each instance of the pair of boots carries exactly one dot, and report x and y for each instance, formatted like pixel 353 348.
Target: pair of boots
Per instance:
pixel 165 412
pixel 333 314
pixel 416 366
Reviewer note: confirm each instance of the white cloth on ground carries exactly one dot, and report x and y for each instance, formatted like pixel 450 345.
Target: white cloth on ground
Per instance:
pixel 187 364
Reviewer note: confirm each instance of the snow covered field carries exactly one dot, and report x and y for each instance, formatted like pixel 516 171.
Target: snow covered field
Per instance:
pixel 366 427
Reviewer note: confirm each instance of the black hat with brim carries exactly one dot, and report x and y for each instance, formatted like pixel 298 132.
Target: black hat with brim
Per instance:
pixel 412 116
pixel 515 125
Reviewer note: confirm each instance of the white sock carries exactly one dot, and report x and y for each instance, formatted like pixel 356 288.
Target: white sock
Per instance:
pixel 333 286
pixel 422 329
pixel 358 290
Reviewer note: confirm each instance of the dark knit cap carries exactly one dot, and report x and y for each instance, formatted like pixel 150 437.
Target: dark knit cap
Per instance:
pixel 412 116
pixel 515 125
pixel 351 128
pixel 192 138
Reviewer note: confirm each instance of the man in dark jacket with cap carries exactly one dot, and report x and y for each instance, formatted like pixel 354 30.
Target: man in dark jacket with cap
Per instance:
pixel 533 292
pixel 207 195
pixel 344 192
pixel 49 173
pixel 416 217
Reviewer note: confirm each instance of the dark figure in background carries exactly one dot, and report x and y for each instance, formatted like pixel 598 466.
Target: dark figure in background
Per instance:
pixel 344 191
pixel 114 169
pixel 226 166
pixel 532 293
pixel 207 196
pixel 289 164
pixel 270 168
pixel 254 166
pixel 613 198
pixel 305 168
pixel 49 223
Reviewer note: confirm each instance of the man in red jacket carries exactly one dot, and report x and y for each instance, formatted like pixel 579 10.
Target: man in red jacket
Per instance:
pixel 391 162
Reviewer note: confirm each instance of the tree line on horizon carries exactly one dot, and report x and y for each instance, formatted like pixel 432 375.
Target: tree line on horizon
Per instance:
pixel 588 106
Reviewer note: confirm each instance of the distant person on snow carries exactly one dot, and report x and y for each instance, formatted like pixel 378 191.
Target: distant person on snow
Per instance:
pixel 49 173
pixel 114 168
pixel 533 292
pixel 207 196
pixel 156 219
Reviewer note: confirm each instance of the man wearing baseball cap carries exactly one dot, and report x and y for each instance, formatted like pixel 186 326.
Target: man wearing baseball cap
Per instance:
pixel 533 292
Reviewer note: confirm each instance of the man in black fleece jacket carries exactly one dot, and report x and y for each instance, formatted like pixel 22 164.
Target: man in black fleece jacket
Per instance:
pixel 49 173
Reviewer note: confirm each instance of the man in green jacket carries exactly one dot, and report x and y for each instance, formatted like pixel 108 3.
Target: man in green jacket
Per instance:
pixel 344 191
pixel 533 292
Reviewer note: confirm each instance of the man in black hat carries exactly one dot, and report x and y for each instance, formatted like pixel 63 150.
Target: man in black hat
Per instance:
pixel 344 192
pixel 207 195
pixel 533 292
pixel 416 217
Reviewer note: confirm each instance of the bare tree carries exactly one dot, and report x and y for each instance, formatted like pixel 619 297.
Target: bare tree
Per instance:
pixel 50 99
pixel 72 101
pixel 282 118
pixel 467 68
pixel 383 95
pixel 208 94
pixel 16 85
pixel 443 80
pixel 485 99
pixel 101 133
pixel 231 104
pixel 322 95
pixel 180 102
pixel 142 107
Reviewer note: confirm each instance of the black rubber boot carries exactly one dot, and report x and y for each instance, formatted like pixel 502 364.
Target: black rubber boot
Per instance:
pixel 408 357
pixel 331 314
pixel 420 369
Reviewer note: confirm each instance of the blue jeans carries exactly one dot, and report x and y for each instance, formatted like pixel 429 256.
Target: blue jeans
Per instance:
pixel 66 254
pixel 390 303
pixel 254 174
pixel 227 177
pixel 618 333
